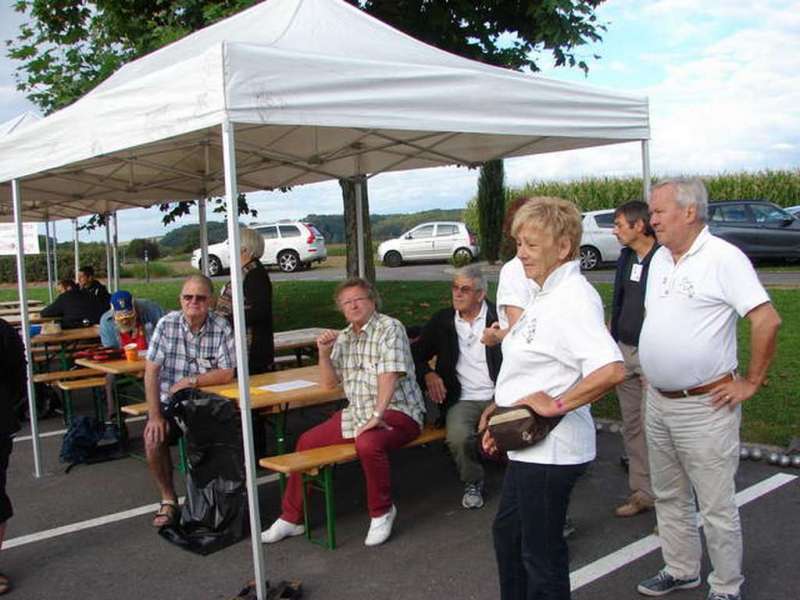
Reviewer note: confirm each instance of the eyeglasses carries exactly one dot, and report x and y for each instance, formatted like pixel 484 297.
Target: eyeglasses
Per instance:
pixel 194 297
pixel 464 289
pixel 353 301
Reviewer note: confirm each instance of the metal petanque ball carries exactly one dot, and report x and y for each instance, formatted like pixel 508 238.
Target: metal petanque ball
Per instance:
pixel 755 454
pixel 598 426
pixel 796 461
pixel 614 428
pixel 773 458
pixel 785 461
pixel 744 453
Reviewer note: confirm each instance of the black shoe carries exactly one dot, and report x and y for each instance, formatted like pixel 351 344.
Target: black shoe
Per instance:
pixel 664 583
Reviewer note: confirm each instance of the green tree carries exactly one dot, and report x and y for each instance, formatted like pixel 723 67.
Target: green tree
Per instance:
pixel 491 208
pixel 67 47
pixel 137 248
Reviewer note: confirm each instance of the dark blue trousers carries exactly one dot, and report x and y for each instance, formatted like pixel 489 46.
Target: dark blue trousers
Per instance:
pixel 532 556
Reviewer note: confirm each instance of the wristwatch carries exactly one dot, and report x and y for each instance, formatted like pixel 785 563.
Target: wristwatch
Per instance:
pixel 193 380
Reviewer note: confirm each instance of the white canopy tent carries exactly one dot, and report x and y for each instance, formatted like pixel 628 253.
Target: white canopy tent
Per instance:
pixel 285 93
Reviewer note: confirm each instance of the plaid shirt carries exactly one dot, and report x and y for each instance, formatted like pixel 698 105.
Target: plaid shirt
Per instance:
pixel 180 353
pixel 381 347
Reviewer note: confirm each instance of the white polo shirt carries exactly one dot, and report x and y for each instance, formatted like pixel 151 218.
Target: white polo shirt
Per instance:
pixel 560 338
pixel 689 333
pixel 513 289
pixel 471 368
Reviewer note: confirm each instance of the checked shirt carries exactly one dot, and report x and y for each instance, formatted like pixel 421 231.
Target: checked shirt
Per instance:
pixel 180 353
pixel 381 347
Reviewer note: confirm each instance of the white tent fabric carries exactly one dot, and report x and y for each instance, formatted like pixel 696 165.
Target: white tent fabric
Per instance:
pixel 315 87
pixel 18 123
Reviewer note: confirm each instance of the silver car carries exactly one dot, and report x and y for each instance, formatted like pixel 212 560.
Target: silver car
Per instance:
pixel 439 240
pixel 598 242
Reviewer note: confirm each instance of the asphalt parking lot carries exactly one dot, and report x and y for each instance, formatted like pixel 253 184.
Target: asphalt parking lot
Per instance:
pixel 87 535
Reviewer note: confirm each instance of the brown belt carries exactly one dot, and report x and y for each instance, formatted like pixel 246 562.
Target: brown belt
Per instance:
pixel 697 391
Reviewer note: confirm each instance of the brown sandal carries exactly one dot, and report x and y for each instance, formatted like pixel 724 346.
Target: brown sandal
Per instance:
pixel 167 513
pixel 5 584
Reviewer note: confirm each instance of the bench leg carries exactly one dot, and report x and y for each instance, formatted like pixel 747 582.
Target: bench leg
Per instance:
pixel 323 482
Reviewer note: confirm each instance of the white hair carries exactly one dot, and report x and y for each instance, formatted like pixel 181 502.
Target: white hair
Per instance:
pixel 689 191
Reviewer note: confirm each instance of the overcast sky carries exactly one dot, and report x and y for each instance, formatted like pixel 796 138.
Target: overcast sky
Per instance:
pixel 722 76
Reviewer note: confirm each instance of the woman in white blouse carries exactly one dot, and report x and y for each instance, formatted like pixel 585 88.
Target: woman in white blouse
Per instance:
pixel 557 359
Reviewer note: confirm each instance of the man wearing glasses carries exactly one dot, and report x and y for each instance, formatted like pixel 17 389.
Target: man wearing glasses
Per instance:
pixel 463 381
pixel 190 348
pixel 372 359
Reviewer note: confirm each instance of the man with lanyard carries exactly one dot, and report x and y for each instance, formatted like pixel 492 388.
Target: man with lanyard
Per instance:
pixel 463 380
pixel 699 285
pixel 632 228
pixel 190 348
pixel 128 321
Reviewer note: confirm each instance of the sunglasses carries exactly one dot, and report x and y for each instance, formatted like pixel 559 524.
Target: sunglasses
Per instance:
pixel 194 297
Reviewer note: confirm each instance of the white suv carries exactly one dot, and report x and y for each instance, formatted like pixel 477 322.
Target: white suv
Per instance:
pixel 439 240
pixel 291 245
pixel 598 243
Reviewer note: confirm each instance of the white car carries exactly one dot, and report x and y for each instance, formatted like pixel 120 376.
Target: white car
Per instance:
pixel 598 243
pixel 439 240
pixel 291 245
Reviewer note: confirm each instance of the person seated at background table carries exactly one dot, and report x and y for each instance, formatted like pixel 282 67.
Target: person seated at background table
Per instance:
pixel 72 307
pixel 128 321
pixel 190 348
pixel 372 359
pixel 557 358
pixel 463 380
pixel 257 303
pixel 91 286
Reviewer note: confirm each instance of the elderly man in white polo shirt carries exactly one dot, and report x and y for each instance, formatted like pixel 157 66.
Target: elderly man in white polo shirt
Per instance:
pixel 698 287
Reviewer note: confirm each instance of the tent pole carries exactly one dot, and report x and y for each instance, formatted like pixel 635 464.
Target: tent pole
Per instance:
pixel 646 170
pixel 359 181
pixel 55 252
pixel 201 209
pixel 116 253
pixel 243 373
pixel 47 259
pixel 77 251
pixel 26 327
pixel 109 267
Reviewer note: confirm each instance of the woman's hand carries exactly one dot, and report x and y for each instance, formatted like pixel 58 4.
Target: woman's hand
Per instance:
pixel 372 424
pixel 487 413
pixel 543 404
pixel 488 443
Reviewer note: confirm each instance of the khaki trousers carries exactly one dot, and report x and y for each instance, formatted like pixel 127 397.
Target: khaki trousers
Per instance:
pixel 694 449
pixel 632 405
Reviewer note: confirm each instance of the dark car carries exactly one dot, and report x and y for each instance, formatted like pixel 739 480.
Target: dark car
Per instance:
pixel 759 229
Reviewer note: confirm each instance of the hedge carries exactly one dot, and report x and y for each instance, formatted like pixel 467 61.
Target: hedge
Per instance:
pixel 36 267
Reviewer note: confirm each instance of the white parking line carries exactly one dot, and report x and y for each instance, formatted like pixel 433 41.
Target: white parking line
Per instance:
pixel 99 521
pixel 616 560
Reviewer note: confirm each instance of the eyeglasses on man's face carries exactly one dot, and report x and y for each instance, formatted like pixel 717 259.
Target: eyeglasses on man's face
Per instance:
pixel 352 301
pixel 194 298
pixel 462 289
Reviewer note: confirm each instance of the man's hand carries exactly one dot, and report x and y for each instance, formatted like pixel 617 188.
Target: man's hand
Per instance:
pixel 325 341
pixel 493 335
pixel 542 404
pixel 372 424
pixel 155 431
pixel 182 383
pixel 436 389
pixel 732 393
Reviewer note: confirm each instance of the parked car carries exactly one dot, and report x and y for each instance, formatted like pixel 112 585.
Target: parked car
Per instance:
pixel 598 242
pixel 793 210
pixel 759 229
pixel 439 240
pixel 291 245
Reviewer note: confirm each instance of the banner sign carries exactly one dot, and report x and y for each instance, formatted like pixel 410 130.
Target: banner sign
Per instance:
pixel 8 238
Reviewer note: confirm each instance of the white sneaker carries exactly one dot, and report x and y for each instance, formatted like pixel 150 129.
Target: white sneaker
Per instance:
pixel 281 529
pixel 380 528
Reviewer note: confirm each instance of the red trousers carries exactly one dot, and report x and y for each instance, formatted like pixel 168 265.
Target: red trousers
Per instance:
pixel 373 448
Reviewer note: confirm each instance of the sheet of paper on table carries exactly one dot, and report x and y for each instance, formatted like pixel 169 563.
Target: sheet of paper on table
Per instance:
pixel 287 386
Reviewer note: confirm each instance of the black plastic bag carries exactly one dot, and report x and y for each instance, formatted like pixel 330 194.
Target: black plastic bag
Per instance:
pixel 214 514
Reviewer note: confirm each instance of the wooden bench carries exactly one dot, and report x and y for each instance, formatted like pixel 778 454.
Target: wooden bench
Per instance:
pixel 316 467
pixel 54 376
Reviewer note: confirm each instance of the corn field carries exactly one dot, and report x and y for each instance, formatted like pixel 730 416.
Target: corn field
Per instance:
pixel 780 187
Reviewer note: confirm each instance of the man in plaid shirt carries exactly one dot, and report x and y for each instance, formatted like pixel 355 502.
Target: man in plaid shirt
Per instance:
pixel 190 348
pixel 372 359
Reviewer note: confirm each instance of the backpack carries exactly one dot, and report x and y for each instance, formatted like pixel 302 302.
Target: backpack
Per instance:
pixel 88 441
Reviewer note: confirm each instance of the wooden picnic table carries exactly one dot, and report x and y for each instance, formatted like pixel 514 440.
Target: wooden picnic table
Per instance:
pixel 17 303
pixel 68 335
pixel 33 318
pixel 284 340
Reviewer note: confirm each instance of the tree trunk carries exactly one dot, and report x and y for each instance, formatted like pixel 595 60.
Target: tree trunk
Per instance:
pixel 351 228
pixel 491 208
